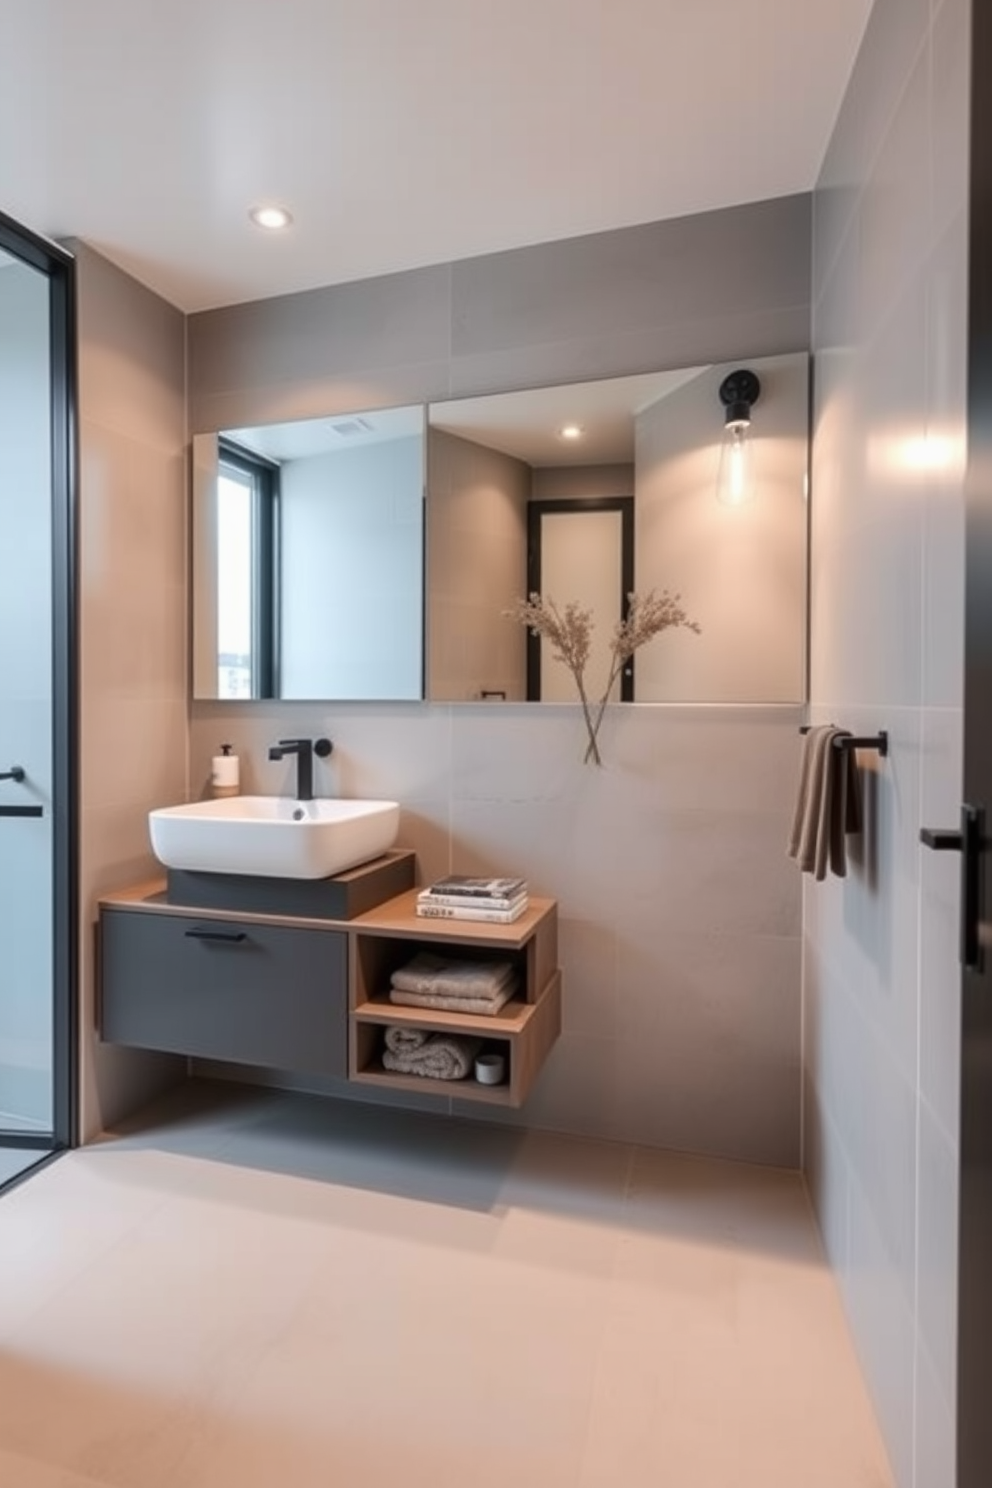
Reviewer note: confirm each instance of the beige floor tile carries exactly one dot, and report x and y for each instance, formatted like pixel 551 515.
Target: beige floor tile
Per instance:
pixel 294 1293
pixel 23 1472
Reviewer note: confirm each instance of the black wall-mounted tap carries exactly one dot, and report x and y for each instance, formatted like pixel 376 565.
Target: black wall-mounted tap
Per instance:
pixel 304 749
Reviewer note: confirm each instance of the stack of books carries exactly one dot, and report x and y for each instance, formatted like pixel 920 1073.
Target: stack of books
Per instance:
pixel 458 897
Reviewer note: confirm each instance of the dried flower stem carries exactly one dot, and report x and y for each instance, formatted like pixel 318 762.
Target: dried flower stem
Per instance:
pixel 647 616
pixel 569 634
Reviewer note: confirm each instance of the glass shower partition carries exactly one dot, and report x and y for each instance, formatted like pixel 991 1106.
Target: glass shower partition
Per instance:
pixel 37 786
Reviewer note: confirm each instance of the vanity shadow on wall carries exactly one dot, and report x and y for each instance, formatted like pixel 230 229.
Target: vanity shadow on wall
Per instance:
pixel 396 539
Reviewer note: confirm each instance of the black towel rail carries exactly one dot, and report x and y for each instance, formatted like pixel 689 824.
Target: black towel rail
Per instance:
pixel 879 741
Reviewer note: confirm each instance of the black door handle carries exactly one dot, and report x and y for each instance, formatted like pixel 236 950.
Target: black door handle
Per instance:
pixel 970 843
pixel 16 772
pixel 941 841
pixel 227 937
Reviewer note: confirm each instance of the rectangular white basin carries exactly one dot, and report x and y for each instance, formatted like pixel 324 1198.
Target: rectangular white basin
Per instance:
pixel 273 836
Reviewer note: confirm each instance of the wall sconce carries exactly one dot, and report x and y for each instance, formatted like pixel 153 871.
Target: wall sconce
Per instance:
pixel 738 392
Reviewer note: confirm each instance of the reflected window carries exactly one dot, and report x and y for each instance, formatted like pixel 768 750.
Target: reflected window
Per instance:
pixel 246 493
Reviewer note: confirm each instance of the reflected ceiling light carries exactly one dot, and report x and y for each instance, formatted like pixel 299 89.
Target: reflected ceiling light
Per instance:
pixel 571 431
pixel 271 217
pixel 738 392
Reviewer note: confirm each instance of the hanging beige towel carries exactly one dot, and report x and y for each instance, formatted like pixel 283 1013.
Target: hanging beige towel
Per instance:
pixel 828 804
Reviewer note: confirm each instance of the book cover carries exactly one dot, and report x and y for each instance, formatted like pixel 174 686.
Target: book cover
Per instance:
pixel 432 911
pixel 469 901
pixel 482 888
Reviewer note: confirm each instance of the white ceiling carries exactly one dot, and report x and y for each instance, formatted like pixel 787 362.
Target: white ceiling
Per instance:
pixel 527 424
pixel 399 132
pixel 304 438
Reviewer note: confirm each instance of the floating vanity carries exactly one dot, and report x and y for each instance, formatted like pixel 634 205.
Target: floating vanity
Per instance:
pixel 309 993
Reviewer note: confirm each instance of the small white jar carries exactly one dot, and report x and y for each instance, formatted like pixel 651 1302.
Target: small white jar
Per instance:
pixel 490 1069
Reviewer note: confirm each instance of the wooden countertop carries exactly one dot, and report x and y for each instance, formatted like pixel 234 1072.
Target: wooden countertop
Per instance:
pixel 394 917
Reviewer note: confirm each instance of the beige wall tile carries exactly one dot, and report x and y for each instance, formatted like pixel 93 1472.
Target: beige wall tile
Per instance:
pixel 133 708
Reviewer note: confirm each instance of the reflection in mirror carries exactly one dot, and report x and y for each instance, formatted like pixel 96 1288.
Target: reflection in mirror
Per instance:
pixel 558 459
pixel 308 559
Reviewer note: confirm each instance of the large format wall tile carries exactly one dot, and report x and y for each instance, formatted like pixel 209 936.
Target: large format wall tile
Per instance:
pixel 609 284
pixel 132 652
pixel 882 982
pixel 679 929
pixel 346 329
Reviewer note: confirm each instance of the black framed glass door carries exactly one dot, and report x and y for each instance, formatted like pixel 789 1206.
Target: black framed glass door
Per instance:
pixel 37 704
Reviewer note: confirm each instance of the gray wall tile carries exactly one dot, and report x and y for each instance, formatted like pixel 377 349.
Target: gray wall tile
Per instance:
pixel 609 285
pixel 681 343
pixel 343 330
pixel 345 392
pixel 882 1035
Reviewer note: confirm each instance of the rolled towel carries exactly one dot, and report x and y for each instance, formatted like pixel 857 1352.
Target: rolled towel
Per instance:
pixel 434 976
pixel 406 1040
pixel 488 1007
pixel 445 1056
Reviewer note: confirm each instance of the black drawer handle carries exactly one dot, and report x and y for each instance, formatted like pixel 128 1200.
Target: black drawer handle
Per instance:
pixel 21 811
pixel 226 937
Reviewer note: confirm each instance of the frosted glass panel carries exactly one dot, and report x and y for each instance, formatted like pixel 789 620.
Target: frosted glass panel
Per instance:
pixel 26 915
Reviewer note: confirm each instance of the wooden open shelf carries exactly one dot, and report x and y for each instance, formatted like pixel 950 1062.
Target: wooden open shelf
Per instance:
pixel 523 1032
pixel 512 1018
pixel 524 1029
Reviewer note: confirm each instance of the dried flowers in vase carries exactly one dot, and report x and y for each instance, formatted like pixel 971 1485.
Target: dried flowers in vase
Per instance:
pixel 568 631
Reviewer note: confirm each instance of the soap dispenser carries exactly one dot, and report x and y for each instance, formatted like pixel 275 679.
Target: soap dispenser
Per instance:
pixel 224 773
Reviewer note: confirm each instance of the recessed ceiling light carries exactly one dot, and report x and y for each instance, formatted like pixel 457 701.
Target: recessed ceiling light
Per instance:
pixel 271 217
pixel 571 431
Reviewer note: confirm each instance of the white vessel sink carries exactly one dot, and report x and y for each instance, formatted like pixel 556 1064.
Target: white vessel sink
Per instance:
pixel 273 836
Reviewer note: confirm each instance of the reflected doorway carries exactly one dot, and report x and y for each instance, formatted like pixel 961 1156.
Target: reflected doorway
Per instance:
pixel 580 549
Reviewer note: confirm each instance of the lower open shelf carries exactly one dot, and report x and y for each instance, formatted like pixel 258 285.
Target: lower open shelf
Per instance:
pixel 469 1089
pixel 522 1032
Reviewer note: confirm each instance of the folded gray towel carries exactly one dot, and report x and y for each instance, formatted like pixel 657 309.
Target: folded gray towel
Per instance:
pixel 406 1040
pixel 828 804
pixel 436 976
pixel 488 1007
pixel 444 1056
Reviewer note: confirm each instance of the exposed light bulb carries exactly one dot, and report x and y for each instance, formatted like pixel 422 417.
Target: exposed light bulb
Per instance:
pixel 271 217
pixel 733 481
pixel 738 392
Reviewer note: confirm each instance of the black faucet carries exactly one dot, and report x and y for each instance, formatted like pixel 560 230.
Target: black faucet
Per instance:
pixel 304 749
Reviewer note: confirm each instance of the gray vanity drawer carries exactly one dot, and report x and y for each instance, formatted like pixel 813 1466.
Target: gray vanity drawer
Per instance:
pixel 225 989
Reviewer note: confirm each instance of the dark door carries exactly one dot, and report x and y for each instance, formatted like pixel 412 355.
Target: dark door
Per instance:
pixel 975 1214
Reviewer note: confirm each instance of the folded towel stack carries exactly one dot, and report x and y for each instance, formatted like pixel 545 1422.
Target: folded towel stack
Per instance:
pixel 431 981
pixel 828 804
pixel 436 1056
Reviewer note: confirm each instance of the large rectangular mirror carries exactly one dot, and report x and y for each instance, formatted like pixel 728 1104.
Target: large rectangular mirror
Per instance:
pixel 308 559
pixel 584 493
pixel 310 547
